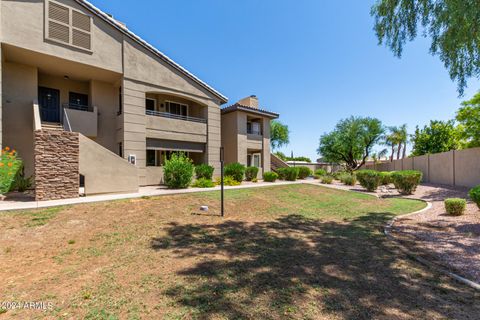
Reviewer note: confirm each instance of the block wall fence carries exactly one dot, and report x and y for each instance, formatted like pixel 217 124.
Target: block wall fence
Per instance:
pixel 455 168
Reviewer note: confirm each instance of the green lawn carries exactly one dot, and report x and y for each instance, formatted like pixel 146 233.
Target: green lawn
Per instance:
pixel 282 252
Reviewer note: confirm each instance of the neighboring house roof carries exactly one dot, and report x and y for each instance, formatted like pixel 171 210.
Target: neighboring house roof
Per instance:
pixel 122 28
pixel 239 107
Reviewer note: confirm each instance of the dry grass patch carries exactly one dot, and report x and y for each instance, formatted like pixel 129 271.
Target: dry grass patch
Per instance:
pixel 295 251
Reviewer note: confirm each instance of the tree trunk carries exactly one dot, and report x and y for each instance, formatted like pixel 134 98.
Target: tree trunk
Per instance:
pixel 393 152
pixel 404 149
pixel 399 150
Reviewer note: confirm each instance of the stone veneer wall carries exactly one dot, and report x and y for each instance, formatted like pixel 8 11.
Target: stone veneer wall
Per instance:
pixel 56 165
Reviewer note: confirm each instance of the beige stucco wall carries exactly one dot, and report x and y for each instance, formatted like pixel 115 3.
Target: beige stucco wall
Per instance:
pixel 22 25
pixel 442 165
pixel 154 176
pixel 420 163
pixel 84 122
pixel 266 146
pixel 397 165
pixel 104 96
pixel 104 171
pixel 229 137
pixel 64 86
pixel 19 92
pixel 407 163
pixel 467 167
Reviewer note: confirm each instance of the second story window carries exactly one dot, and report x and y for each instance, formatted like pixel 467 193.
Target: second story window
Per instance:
pixel 67 25
pixel 254 128
pixel 150 104
pixel 176 108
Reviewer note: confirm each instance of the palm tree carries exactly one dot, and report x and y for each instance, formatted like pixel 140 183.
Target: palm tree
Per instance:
pixel 402 137
pixel 392 140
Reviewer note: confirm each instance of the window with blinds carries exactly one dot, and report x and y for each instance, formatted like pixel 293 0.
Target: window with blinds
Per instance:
pixel 68 26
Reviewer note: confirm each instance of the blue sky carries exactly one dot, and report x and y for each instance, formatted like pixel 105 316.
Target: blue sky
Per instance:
pixel 313 61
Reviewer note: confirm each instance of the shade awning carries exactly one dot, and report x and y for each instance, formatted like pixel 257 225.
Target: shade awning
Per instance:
pixel 172 145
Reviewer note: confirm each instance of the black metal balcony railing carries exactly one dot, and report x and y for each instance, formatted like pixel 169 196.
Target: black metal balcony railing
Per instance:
pixel 78 107
pixel 174 116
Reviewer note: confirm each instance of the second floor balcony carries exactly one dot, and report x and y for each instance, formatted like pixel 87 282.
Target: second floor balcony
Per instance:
pixel 164 125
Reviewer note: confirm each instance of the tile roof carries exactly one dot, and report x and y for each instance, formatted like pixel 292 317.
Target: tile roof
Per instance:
pixel 122 28
pixel 240 107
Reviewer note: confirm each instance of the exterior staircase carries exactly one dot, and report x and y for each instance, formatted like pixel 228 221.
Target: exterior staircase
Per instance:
pixel 277 163
pixel 52 126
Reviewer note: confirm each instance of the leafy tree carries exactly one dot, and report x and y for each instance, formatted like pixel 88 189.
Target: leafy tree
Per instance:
pixel 279 134
pixel 439 136
pixel 452 25
pixel 468 117
pixel 351 141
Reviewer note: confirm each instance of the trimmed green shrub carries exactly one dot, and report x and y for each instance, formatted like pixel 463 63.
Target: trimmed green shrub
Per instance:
pixel 270 176
pixel 327 179
pixel 369 179
pixel 289 174
pixel 228 181
pixel 474 194
pixel 203 183
pixel 338 174
pixel 10 166
pixel 406 181
pixel 348 179
pixel 320 172
pixel 385 178
pixel 235 170
pixel 251 173
pixel 178 171
pixel 304 172
pixel 455 206
pixel 255 180
pixel 204 171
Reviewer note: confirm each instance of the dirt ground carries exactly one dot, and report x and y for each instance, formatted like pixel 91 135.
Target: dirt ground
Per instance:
pixel 285 252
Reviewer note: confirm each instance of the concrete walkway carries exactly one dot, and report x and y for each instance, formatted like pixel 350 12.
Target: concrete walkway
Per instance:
pixel 27 203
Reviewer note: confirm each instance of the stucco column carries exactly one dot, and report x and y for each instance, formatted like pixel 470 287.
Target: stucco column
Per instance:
pixel 266 145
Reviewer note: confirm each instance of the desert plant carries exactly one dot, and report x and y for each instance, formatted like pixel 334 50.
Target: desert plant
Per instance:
pixel 251 173
pixel 178 171
pixel 337 174
pixel 228 181
pixel 369 179
pixel 289 173
pixel 204 171
pixel 304 172
pixel 203 183
pixel 455 206
pixel 22 184
pixel 385 178
pixel 327 180
pixel 474 194
pixel 406 181
pixel 235 170
pixel 270 176
pixel 10 166
pixel 348 179
pixel 320 172
pixel 255 180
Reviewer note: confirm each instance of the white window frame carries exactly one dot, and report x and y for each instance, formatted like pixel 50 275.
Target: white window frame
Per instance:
pixel 70 26
pixel 167 106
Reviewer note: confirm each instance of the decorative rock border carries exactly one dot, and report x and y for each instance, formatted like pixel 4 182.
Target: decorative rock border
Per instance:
pixel 430 264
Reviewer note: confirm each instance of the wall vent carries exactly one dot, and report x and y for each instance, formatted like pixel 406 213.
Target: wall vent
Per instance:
pixel 68 26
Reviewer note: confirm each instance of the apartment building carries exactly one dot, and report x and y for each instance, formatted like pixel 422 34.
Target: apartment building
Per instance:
pixel 83 96
pixel 246 134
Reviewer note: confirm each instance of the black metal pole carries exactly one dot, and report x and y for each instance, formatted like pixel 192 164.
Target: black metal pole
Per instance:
pixel 222 160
